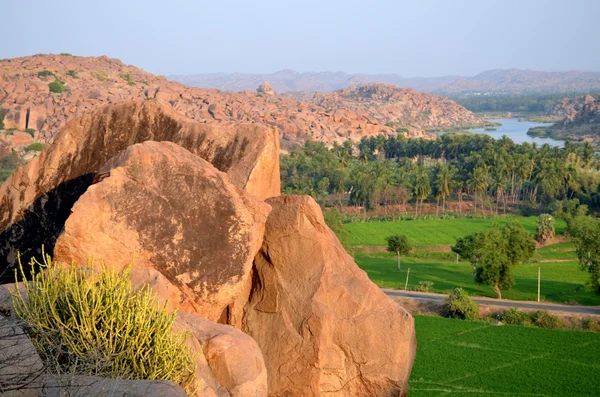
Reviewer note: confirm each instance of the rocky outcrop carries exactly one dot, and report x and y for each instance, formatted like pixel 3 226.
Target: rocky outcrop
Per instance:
pixel 322 325
pixel 568 107
pixel 581 120
pixel 265 88
pixel 193 233
pixel 36 200
pixel 230 362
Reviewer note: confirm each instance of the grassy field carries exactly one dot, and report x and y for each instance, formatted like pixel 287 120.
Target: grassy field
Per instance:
pixel 426 232
pixel 469 358
pixel 562 280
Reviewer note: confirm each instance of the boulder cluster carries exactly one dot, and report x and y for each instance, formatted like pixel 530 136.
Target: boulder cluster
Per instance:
pixel 273 303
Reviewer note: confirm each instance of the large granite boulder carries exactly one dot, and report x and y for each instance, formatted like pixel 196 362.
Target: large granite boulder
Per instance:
pixel 229 362
pixel 324 328
pixel 36 200
pixel 194 234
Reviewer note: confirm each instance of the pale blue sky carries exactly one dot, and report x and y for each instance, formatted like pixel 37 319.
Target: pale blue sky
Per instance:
pixel 416 38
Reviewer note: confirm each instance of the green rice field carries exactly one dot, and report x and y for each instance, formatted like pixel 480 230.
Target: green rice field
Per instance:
pixel 562 280
pixel 471 358
pixel 426 232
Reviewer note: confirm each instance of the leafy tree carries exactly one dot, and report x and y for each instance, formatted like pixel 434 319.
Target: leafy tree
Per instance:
pixel 587 243
pixel 333 219
pixel 398 244
pixel 494 253
pixel 545 228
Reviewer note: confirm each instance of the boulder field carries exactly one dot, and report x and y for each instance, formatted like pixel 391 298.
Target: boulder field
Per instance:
pixel 273 304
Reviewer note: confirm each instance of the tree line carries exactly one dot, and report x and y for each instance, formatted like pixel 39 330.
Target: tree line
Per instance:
pixel 494 175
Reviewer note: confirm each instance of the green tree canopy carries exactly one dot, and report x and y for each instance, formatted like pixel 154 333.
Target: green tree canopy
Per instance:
pixel 494 253
pixel 587 243
pixel 398 244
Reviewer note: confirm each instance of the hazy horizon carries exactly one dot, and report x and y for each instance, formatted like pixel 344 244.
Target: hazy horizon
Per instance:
pixel 428 39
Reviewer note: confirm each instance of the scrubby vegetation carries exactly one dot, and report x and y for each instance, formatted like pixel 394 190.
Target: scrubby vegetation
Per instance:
pixel 458 304
pixel 545 228
pixel 97 323
pixel 35 147
pixel 72 73
pixel 30 131
pixel 57 86
pixel 2 115
pixel 100 75
pixel 45 73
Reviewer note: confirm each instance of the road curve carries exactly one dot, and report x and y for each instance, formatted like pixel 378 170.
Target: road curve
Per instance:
pixel 552 307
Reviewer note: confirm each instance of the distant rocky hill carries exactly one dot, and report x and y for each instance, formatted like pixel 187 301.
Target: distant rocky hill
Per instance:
pixel 508 81
pixel 568 107
pixel 396 107
pixel 580 120
pixel 580 124
pixel 38 94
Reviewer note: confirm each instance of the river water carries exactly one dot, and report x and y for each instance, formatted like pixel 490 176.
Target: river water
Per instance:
pixel 517 131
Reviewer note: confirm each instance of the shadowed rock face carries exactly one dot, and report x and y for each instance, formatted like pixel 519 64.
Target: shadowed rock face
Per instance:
pixel 194 234
pixel 37 198
pixel 322 325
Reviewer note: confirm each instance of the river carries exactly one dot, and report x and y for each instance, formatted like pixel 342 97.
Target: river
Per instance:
pixel 517 131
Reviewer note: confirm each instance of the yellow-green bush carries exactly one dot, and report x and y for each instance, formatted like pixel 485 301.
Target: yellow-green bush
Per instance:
pixel 96 323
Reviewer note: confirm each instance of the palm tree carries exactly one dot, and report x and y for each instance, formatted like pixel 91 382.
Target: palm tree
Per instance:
pixel 444 183
pixel 422 187
pixel 398 244
pixel 478 183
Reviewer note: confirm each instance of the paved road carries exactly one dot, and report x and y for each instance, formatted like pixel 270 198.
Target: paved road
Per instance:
pixel 553 307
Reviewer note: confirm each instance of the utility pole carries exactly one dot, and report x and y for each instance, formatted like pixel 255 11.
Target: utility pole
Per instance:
pixel 539 282
pixel 406 284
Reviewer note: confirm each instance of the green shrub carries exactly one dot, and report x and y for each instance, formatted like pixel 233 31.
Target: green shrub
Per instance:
pixel 513 316
pixel 424 286
pixel 543 319
pixel 460 305
pixel 45 73
pixel 2 114
pixel 30 131
pixel 66 54
pixel 35 147
pixel 131 83
pixel 72 73
pixel 100 75
pixel 56 87
pixel 126 77
pixel 96 323
pixel 591 324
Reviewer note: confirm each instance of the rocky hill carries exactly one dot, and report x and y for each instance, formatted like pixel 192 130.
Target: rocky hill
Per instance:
pixel 568 107
pixel 396 107
pixel 582 124
pixel 38 94
pixel 507 81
